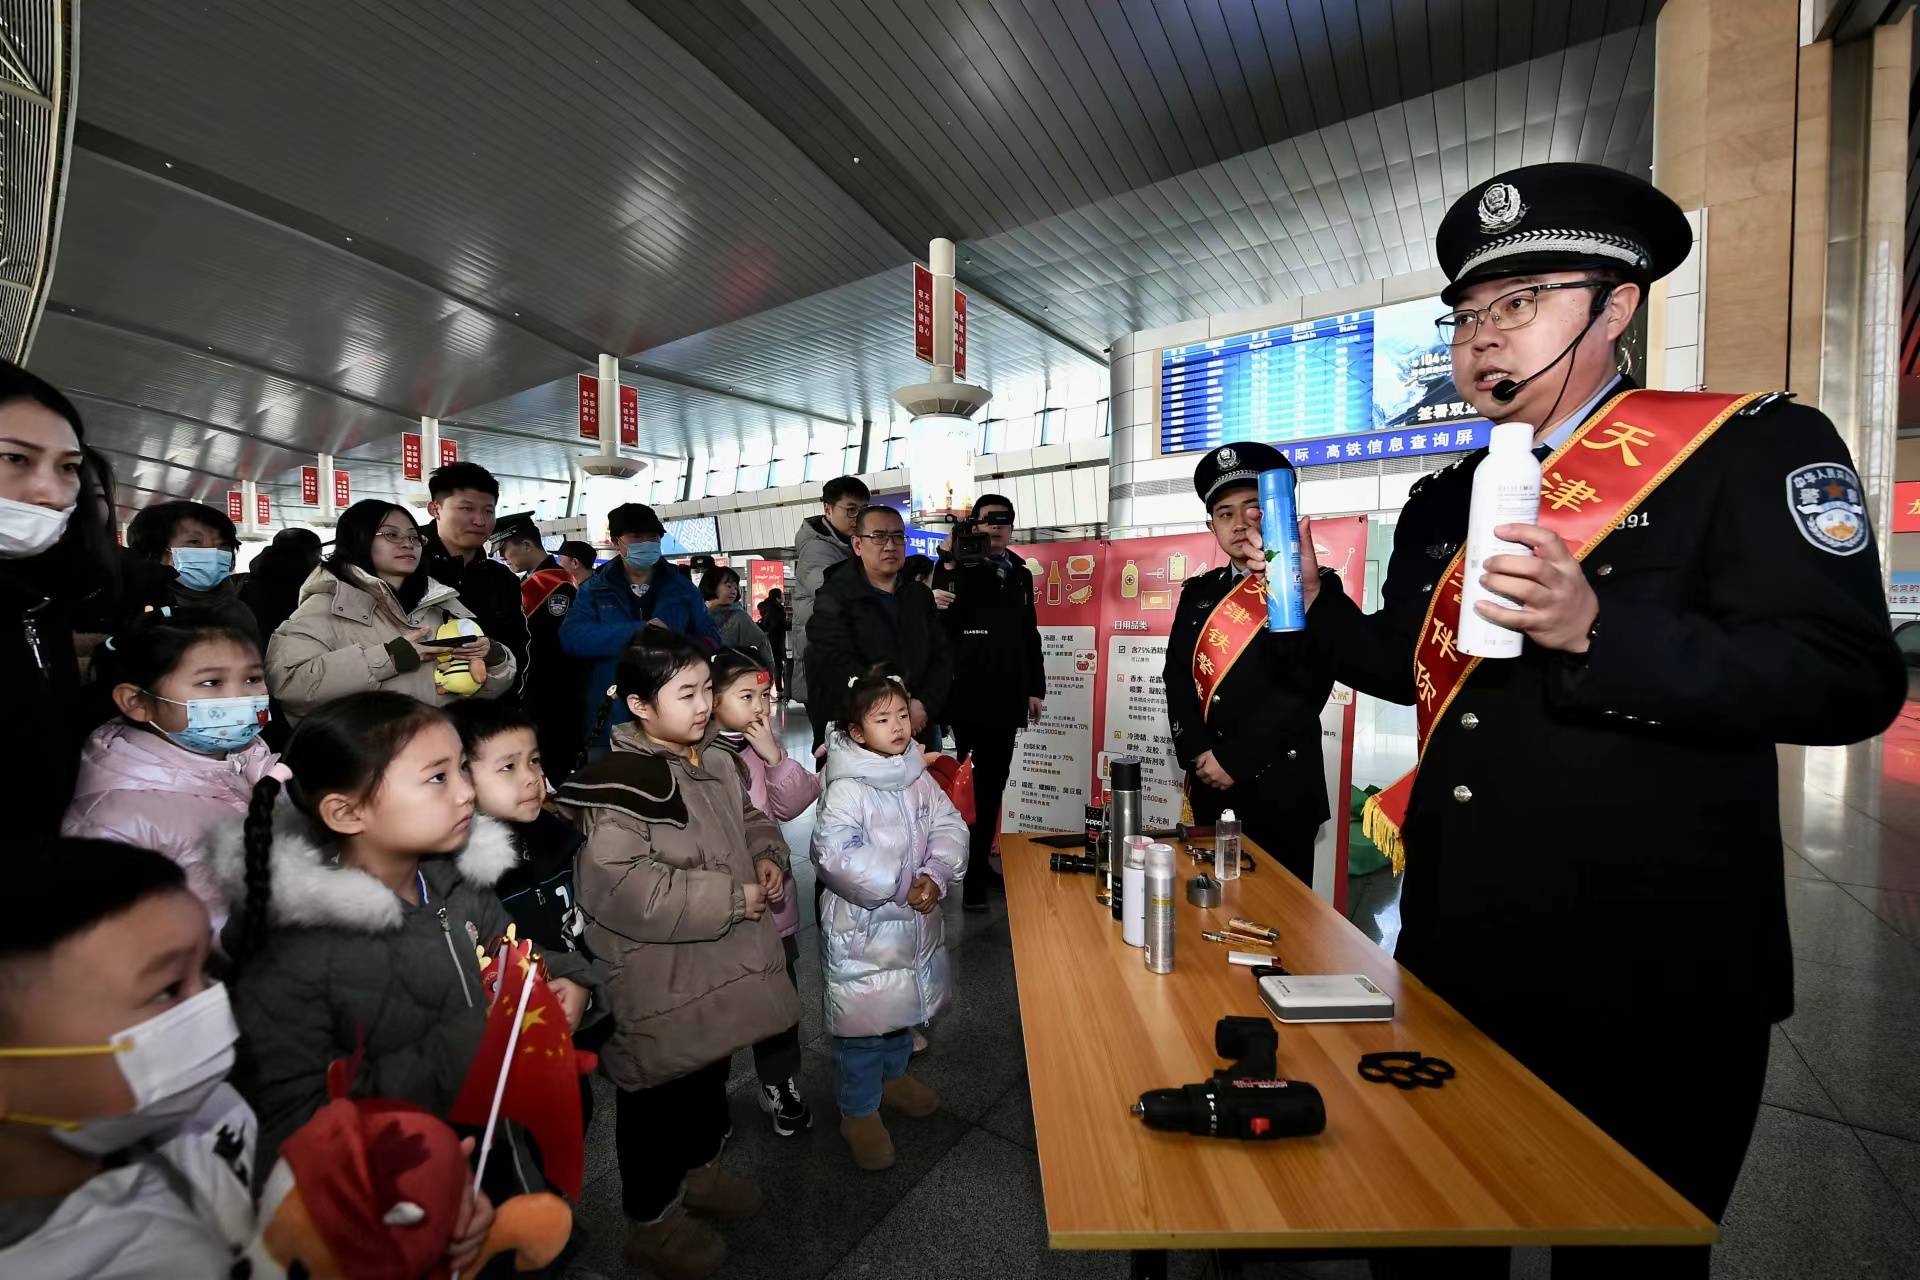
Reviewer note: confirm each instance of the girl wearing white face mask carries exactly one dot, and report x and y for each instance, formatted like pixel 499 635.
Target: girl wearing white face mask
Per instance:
pixel 185 750
pixel 113 1044
pixel 50 562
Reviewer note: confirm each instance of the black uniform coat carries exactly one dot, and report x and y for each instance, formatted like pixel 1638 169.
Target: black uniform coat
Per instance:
pixel 1264 725
pixel 556 684
pixel 1599 835
pixel 995 635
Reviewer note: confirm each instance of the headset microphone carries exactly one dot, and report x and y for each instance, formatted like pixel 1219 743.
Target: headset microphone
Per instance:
pixel 1506 389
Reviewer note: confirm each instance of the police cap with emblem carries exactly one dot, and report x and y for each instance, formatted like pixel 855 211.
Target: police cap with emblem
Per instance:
pixel 1560 217
pixel 518 527
pixel 1235 464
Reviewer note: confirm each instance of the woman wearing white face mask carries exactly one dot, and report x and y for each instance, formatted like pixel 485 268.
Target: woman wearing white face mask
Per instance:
pixel 49 562
pixel 123 1152
pixel 181 554
pixel 185 750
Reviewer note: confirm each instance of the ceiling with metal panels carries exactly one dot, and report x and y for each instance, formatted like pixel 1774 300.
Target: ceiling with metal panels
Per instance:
pixel 292 228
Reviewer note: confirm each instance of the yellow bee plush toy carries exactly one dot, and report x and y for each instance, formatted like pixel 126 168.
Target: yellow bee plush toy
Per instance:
pixel 461 677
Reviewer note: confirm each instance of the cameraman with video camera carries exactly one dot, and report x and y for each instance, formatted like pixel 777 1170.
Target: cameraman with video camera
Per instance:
pixel 999 681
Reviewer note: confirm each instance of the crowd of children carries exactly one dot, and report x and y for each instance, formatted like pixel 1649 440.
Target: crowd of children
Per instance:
pixel 345 891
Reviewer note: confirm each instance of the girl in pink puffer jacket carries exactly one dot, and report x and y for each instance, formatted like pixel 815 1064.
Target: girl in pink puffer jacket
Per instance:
pixel 781 788
pixel 185 750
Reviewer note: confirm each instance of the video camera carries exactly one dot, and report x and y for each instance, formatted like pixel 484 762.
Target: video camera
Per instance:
pixel 1243 1100
pixel 971 543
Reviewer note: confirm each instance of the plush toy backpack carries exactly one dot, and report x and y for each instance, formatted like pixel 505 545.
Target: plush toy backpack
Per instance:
pixel 371 1189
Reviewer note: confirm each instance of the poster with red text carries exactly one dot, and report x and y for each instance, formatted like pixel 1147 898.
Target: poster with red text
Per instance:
pixel 1047 787
pixel 768 575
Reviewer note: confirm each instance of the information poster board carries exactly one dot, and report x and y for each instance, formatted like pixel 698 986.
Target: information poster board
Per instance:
pixel 1047 788
pixel 1105 611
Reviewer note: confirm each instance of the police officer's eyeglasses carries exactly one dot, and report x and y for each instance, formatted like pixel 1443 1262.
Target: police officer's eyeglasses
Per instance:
pixel 1510 311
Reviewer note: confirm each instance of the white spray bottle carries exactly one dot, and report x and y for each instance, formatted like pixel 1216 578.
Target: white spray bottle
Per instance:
pixel 1506 490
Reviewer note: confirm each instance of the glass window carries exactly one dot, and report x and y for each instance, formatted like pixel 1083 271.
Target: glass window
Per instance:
pixel 811 471
pixel 850 459
pixel 789 470
pixel 1052 423
pixel 720 482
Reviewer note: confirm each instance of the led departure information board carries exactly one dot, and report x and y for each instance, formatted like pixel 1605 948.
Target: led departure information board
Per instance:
pixel 1370 384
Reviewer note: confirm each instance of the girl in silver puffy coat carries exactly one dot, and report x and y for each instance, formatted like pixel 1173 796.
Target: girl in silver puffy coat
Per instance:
pixel 887 844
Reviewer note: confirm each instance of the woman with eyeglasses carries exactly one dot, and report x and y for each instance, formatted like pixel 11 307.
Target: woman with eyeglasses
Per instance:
pixel 371 618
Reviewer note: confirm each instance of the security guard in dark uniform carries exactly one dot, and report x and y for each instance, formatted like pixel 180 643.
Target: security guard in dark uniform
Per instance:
pixel 556 683
pixel 1253 745
pixel 1592 840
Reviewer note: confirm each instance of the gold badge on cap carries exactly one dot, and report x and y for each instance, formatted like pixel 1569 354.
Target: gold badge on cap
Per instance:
pixel 1500 208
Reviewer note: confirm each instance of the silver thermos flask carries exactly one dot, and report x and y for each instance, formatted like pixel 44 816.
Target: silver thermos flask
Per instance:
pixel 1122 824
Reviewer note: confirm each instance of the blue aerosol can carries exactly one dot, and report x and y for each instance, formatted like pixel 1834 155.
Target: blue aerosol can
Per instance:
pixel 1280 529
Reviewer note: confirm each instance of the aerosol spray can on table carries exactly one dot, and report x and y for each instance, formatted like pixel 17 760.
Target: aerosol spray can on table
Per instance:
pixel 1133 896
pixel 1162 882
pixel 1123 821
pixel 1280 531
pixel 1506 490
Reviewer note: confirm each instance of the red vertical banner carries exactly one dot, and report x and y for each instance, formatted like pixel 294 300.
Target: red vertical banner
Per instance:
pixel 589 407
pixel 768 576
pixel 629 415
pixel 449 451
pixel 310 486
pixel 236 506
pixel 923 313
pixel 959 334
pixel 262 509
pixel 410 455
pixel 342 490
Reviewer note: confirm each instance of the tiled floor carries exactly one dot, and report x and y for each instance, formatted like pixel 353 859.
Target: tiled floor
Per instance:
pixel 1831 1186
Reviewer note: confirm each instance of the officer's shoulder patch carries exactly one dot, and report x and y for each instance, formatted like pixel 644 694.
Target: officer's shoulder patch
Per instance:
pixel 558 603
pixel 1824 501
pixel 1766 402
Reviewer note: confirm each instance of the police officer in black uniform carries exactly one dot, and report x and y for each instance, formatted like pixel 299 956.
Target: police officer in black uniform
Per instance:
pixel 1593 870
pixel 556 683
pixel 1255 747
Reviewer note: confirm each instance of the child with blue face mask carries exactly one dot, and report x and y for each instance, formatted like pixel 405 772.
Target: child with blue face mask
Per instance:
pixel 185 750
pixel 182 554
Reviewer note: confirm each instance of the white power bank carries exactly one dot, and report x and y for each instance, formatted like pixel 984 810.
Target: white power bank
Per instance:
pixel 1346 997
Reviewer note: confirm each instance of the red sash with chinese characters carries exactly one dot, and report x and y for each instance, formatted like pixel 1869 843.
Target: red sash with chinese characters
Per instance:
pixel 1604 471
pixel 1228 632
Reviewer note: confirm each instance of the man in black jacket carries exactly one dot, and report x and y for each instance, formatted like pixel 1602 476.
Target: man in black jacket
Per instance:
pixel 465 495
pixel 999 679
pixel 1244 702
pixel 865 613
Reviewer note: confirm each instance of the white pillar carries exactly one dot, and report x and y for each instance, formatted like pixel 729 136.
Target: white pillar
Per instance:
pixel 609 406
pixel 429 448
pixel 328 513
pixel 250 509
pixel 940 262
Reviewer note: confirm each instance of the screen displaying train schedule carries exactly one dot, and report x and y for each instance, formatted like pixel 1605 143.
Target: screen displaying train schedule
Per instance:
pixel 1365 384
pixel 1290 383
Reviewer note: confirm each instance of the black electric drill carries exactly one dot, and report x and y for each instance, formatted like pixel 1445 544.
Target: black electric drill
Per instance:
pixel 1243 1100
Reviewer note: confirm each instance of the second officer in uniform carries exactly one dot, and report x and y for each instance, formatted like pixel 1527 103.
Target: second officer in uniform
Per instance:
pixel 1244 703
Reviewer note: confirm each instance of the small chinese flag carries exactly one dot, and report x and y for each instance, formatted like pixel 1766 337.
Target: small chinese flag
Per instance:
pixel 543 1090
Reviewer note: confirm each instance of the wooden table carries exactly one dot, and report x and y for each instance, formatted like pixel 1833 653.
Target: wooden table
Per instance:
pixel 1493 1158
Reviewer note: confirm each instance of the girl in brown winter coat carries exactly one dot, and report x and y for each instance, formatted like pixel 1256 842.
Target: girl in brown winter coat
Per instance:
pixel 676 881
